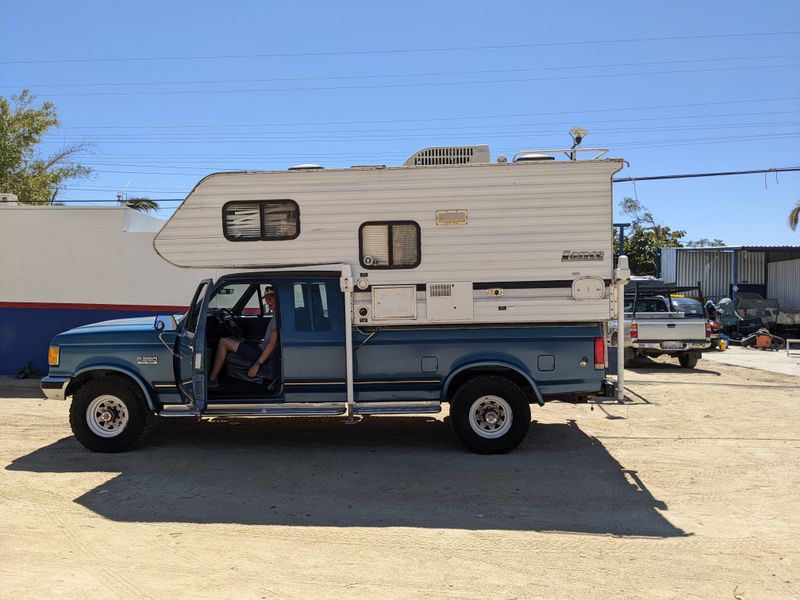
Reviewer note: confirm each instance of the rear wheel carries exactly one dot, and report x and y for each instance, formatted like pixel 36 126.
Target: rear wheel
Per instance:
pixel 108 414
pixel 689 360
pixel 490 414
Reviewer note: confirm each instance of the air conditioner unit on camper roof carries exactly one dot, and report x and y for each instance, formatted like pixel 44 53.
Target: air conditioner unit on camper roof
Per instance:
pixel 448 155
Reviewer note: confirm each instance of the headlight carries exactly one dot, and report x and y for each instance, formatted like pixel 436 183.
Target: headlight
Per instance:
pixel 53 356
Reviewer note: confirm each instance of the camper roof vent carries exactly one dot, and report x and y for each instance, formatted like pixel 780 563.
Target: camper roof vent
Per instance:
pixel 532 156
pixel 306 167
pixel 448 155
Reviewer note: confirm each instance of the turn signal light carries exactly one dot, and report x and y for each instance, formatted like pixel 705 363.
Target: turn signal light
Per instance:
pixel 634 331
pixel 52 356
pixel 599 353
pixel 708 330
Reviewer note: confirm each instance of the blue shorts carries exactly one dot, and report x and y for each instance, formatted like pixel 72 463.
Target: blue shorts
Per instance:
pixel 248 351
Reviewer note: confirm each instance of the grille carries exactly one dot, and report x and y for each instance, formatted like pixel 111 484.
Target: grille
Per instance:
pixel 440 290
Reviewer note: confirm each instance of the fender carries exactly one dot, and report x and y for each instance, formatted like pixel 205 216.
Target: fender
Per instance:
pixel 493 364
pixel 119 369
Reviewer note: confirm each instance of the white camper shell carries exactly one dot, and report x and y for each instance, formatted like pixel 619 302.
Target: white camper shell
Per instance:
pixel 448 238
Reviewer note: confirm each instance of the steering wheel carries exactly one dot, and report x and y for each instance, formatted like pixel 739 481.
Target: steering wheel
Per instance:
pixel 228 322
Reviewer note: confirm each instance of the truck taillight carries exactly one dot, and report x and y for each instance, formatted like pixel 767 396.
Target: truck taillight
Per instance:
pixel 708 330
pixel 634 331
pixel 599 353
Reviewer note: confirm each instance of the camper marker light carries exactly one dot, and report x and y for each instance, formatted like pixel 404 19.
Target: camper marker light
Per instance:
pixel 52 356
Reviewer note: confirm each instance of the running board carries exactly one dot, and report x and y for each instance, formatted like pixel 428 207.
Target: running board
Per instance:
pixel 294 409
pixel 397 408
pixel 178 410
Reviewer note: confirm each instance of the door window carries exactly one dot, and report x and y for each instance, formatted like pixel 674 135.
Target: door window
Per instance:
pixel 311 308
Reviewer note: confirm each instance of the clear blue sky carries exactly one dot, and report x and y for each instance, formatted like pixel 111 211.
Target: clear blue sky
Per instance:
pixel 265 85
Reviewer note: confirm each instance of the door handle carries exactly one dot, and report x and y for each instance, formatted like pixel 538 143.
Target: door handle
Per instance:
pixel 671 325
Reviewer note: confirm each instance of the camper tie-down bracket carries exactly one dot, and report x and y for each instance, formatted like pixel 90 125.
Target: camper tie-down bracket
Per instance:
pixel 346 285
pixel 622 276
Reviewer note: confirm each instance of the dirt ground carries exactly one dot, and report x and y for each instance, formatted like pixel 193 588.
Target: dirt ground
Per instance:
pixel 688 491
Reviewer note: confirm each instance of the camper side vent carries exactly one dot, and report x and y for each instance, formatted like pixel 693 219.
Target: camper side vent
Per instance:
pixel 448 155
pixel 440 290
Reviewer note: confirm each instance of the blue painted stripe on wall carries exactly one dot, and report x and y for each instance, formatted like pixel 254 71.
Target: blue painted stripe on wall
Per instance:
pixel 25 333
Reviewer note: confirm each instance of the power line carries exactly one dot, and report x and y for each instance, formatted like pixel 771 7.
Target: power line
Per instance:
pixel 696 175
pixel 614 180
pixel 400 75
pixel 402 50
pixel 408 134
pixel 418 84
pixel 455 118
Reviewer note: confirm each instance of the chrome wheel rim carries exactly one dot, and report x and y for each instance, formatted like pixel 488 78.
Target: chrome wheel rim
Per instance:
pixel 490 416
pixel 107 416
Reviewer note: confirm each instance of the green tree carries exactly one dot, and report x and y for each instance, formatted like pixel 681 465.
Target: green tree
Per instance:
pixel 141 204
pixel 704 243
pixel 33 178
pixel 645 239
pixel 794 216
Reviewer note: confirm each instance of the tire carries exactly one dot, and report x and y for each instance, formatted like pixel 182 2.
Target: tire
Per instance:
pixel 108 414
pixel 630 358
pixel 689 360
pixel 490 414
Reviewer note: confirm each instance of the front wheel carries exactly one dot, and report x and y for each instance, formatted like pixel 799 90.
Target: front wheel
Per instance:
pixel 490 414
pixel 108 414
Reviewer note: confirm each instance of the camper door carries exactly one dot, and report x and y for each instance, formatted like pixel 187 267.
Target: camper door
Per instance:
pixel 190 370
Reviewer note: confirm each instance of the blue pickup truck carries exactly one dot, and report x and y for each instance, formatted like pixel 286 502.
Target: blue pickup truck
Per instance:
pixel 122 374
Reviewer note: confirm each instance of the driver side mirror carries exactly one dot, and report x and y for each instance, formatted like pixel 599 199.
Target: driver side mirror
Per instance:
pixel 165 323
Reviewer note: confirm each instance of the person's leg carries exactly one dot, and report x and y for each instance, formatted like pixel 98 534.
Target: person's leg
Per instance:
pixel 225 346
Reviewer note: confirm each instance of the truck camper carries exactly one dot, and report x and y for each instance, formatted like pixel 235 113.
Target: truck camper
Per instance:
pixel 447 280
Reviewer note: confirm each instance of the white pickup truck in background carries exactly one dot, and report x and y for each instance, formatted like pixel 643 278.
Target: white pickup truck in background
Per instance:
pixel 656 323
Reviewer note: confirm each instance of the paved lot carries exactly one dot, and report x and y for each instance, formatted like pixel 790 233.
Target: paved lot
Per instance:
pixel 690 491
pixel 777 362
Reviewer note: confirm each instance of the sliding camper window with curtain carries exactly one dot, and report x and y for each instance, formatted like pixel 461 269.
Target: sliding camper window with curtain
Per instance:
pixel 389 245
pixel 261 220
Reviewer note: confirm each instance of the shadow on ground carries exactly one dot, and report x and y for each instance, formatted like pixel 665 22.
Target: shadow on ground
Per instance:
pixel 383 472
pixel 11 387
pixel 648 365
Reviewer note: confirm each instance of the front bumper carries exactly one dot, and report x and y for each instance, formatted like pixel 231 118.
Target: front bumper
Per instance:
pixel 54 388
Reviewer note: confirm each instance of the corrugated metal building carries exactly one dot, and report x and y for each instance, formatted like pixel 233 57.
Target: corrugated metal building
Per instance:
pixel 772 271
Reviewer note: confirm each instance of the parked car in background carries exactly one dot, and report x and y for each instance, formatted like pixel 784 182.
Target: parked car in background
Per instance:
pixel 658 321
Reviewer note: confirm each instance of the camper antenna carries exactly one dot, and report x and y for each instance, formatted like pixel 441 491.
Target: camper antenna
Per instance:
pixel 577 134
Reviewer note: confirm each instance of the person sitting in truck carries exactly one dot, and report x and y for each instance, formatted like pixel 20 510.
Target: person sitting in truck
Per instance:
pixel 259 353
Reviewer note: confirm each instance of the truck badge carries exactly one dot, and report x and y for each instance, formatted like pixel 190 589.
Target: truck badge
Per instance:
pixel 146 360
pixel 582 255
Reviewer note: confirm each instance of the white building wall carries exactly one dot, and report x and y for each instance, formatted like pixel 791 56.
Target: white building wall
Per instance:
pixel 87 255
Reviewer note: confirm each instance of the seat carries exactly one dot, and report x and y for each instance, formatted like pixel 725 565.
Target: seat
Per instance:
pixel 268 374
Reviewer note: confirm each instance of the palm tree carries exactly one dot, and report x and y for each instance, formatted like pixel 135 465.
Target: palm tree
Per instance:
pixel 142 204
pixel 794 216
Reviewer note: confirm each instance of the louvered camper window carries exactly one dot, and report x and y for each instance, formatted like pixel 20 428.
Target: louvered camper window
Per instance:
pixel 389 245
pixel 261 220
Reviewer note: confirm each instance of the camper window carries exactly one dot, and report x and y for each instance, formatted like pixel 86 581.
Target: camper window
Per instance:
pixel 389 245
pixel 261 220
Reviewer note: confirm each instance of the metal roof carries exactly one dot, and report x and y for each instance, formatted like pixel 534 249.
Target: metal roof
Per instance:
pixel 748 248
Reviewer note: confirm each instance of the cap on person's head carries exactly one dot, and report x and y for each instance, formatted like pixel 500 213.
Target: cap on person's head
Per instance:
pixel 269 291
